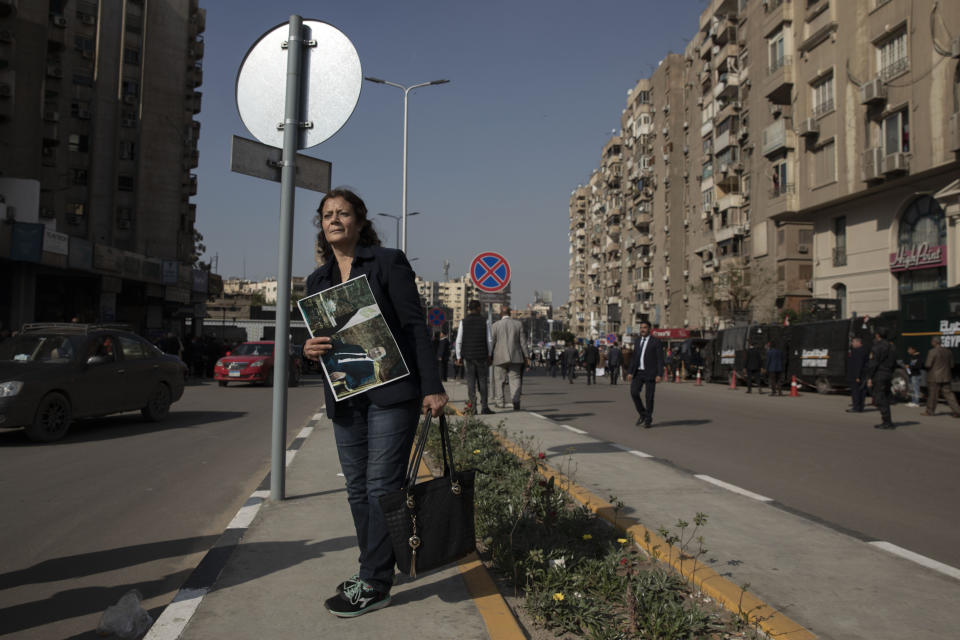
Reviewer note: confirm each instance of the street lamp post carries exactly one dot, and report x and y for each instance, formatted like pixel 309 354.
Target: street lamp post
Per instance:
pixel 397 220
pixel 406 92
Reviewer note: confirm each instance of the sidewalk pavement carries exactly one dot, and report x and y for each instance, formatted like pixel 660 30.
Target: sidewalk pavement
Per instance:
pixel 295 552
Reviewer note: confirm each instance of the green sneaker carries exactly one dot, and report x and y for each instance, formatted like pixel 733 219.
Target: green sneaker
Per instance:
pixel 357 599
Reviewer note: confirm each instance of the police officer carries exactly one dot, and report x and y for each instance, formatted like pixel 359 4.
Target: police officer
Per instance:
pixel 879 373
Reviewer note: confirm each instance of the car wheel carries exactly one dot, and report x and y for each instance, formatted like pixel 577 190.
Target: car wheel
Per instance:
pixel 159 404
pixel 824 386
pixel 900 385
pixel 52 420
pixel 223 383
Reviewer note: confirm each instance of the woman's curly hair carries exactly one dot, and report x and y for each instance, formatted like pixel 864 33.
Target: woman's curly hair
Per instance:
pixel 368 235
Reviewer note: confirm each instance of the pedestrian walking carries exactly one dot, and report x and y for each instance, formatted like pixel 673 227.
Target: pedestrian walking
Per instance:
pixel 754 365
pixel 856 377
pixel 474 350
pixel 939 366
pixel 879 374
pixel 774 365
pixel 552 360
pixel 443 354
pixel 614 359
pixel 374 430
pixel 914 367
pixel 645 373
pixel 510 354
pixel 570 357
pixel 591 359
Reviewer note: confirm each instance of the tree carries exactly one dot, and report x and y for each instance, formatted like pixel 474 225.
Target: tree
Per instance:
pixel 734 290
pixel 565 336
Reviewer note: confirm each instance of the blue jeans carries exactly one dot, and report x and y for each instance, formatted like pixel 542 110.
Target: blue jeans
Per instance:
pixel 915 389
pixel 374 445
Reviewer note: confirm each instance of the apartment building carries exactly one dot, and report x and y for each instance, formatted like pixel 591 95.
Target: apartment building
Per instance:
pixel 772 162
pixel 452 295
pixel 98 139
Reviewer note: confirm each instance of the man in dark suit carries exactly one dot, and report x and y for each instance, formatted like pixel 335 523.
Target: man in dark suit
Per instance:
pixel 591 358
pixel 856 362
pixel 645 372
pixel 614 360
pixel 878 374
pixel 754 365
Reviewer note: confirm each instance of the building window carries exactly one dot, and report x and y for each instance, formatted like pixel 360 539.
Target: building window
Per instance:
pixel 823 101
pixel 825 164
pixel 83 79
pixel 84 45
pixel 896 132
pixel 892 56
pixel 840 241
pixel 130 88
pixel 707 170
pixel 840 293
pixel 75 212
pixel 708 200
pixel 780 185
pixel 131 56
pixel 79 177
pixel 775 46
pixel 125 183
pixel 77 142
pixel 128 150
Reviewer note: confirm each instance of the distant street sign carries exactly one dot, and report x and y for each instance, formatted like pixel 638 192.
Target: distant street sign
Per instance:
pixel 436 316
pixel 496 298
pixel 612 338
pixel 263 161
pixel 490 272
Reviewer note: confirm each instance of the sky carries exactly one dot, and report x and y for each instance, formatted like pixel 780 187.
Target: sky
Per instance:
pixel 536 88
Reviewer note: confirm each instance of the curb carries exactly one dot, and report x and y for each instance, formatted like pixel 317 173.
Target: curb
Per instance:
pixel 732 597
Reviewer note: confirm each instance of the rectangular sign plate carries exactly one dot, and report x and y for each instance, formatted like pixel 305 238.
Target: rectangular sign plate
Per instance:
pixel 263 161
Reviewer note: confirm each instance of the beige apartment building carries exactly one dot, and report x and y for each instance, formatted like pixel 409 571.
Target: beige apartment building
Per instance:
pixel 97 145
pixel 773 162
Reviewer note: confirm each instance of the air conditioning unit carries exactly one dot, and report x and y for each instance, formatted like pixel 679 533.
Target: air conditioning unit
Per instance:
pixel 666 131
pixel 686 273
pixel 738 167
pixel 129 99
pixel 809 127
pixel 743 134
pixel 737 106
pixel 724 169
pixel 809 284
pixel 59 21
pixel 666 277
pixel 666 108
pixel 699 102
pixel 686 222
pixel 51 116
pixel 88 19
pixel 666 228
pixel 123 223
pixel 871 166
pixel 896 163
pixel 686 125
pixel 873 91
pixel 803 248
pixel 128 122
pixel 686 174
pixel 685 297
pixel 55 71
pixel 686 149
pixel 775 109
pixel 83 114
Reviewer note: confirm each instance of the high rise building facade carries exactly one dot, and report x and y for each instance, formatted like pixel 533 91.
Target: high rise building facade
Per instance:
pixel 796 149
pixel 99 140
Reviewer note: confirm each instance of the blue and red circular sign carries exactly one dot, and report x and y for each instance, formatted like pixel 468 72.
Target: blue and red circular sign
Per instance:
pixel 611 338
pixel 436 316
pixel 490 272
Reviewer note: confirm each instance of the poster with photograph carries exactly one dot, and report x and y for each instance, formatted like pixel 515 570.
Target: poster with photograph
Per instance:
pixel 365 354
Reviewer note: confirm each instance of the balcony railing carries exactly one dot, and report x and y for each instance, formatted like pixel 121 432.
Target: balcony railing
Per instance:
pixel 823 108
pixel 895 68
pixel 778 63
pixel 781 189
pixel 840 256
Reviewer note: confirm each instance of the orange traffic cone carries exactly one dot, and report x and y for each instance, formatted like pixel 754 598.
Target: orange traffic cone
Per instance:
pixel 793 388
pixel 676 377
pixel 733 380
pixel 699 382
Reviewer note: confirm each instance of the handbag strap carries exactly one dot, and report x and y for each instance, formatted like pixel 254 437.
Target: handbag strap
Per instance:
pixel 413 465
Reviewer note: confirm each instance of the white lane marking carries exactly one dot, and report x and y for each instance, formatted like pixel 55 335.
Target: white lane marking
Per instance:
pixel 734 488
pixel 574 429
pixel 319 416
pixel 174 619
pixel 639 454
pixel 929 563
pixel 537 415
pixel 249 510
pixel 290 456
pixel 305 432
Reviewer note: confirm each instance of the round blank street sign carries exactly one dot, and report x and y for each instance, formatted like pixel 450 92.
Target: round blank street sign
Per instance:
pixel 328 95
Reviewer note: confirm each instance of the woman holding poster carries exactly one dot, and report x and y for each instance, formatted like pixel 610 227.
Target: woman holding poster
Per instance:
pixel 374 430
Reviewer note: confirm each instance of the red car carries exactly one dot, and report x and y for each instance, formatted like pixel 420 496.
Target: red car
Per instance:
pixel 253 362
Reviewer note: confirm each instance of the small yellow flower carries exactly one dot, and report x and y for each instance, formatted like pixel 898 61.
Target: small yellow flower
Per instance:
pixel 558 597
pixel 622 540
pixel 587 536
pixel 476 451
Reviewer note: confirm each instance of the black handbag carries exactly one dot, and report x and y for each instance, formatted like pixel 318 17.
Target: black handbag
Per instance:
pixel 431 523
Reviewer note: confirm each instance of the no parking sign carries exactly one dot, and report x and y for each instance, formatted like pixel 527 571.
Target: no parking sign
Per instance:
pixel 436 316
pixel 490 272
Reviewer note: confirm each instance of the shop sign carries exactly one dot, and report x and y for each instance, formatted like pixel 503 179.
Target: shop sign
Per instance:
pixel 815 358
pixel 81 254
pixel 920 256
pixel 171 271
pixel 949 334
pixel 27 241
pixel 131 265
pixel 54 242
pixel 106 258
pixel 200 280
pixel 670 334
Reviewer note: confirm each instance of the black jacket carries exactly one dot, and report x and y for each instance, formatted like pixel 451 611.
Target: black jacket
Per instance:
pixel 392 282
pixel 882 362
pixel 856 362
pixel 653 359
pixel 591 356
pixel 754 359
pixel 614 357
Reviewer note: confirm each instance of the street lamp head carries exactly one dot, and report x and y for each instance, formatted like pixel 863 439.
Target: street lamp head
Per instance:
pixel 377 80
pixel 440 81
pixel 412 213
pixel 387 215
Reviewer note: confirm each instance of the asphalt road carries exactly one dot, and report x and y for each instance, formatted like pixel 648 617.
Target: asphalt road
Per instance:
pixel 806 453
pixel 120 504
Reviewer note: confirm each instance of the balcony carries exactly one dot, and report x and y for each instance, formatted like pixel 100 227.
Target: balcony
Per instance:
pixel 778 137
pixel 726 233
pixel 730 201
pixel 727 86
pixel 896 68
pixel 724 140
pixel 191 184
pixel 783 198
pixel 194 76
pixel 840 256
pixel 644 285
pixel 779 81
pixel 193 101
pixel 196 49
pixel 824 108
pixel 191 158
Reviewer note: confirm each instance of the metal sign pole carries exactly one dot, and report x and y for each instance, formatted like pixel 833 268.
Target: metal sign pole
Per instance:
pixel 291 138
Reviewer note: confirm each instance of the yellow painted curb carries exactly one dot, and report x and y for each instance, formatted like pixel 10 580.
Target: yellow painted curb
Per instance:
pixel 728 594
